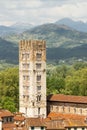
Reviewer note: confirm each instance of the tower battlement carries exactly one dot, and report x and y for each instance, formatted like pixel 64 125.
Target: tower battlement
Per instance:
pixel 32 44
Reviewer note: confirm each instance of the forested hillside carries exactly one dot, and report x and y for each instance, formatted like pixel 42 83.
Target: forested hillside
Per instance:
pixel 55 36
pixel 62 42
pixel 8 52
pixel 60 53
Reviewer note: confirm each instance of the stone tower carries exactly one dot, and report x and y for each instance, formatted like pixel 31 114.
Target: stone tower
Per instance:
pixel 32 78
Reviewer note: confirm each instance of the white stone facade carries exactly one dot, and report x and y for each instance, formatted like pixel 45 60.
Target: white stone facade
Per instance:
pixel 0 124
pixel 37 128
pixel 32 78
pixel 77 128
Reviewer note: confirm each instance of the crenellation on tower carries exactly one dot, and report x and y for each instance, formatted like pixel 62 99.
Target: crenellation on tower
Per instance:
pixel 32 73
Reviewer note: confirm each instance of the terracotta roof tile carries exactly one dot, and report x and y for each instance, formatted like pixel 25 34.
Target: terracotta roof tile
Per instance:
pixel 54 115
pixel 67 98
pixel 61 121
pixel 35 122
pixel 5 113
pixel 19 118
pixel 11 126
pixel 56 124
pixel 8 126
pixel 75 123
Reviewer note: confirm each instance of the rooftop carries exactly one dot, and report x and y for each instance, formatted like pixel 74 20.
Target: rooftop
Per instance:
pixel 19 117
pixel 62 121
pixel 5 113
pixel 68 98
pixel 36 122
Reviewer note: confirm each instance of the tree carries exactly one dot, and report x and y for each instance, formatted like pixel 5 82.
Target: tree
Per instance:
pixel 9 86
pixel 76 83
pixel 55 80
pixel 8 103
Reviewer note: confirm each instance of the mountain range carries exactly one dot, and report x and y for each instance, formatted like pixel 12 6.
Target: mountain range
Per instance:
pixel 63 42
pixel 23 26
pixel 77 25
pixel 14 29
pixel 55 35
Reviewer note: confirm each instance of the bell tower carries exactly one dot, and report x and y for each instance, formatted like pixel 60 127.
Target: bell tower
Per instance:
pixel 32 78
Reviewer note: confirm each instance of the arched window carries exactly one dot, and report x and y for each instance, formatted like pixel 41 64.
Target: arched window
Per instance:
pixel 38 98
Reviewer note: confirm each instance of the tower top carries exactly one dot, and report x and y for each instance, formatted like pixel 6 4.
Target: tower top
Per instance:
pixel 33 41
pixel 32 44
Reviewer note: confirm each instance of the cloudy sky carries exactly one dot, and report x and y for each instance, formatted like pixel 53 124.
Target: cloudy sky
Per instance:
pixel 41 11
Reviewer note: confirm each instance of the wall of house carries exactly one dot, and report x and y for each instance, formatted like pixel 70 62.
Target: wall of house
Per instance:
pixel 80 128
pixel 73 108
pixel 37 128
pixel 0 124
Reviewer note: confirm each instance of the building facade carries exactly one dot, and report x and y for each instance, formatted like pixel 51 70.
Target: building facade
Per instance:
pixel 68 104
pixel 32 78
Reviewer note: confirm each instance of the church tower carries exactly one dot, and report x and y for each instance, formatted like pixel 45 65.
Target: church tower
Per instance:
pixel 32 78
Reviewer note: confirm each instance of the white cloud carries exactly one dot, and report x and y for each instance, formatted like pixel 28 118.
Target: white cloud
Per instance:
pixel 41 11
